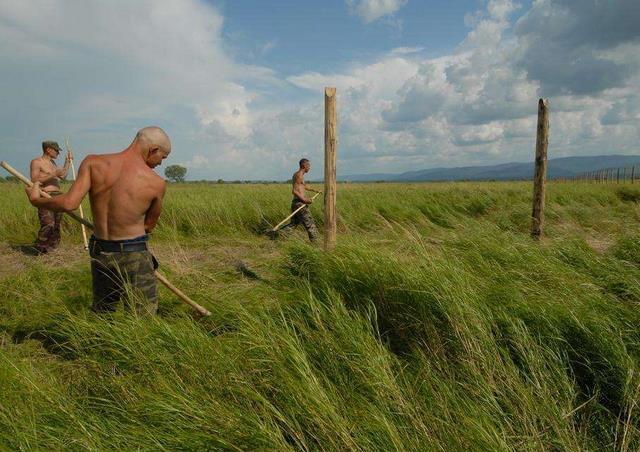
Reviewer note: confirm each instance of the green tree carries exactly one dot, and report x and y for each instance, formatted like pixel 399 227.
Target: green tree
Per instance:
pixel 175 173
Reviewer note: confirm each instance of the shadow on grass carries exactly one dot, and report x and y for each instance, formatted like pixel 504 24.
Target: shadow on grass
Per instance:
pixel 26 249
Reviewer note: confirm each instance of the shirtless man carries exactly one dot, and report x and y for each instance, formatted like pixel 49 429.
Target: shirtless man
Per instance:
pixel 303 216
pixel 126 200
pixel 45 171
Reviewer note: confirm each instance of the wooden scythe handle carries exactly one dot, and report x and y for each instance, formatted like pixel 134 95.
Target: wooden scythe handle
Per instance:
pixel 293 213
pixel 201 310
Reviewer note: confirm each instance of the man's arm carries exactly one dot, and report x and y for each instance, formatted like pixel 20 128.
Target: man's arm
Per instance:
pixel 152 215
pixel 311 189
pixel 68 201
pixel 62 172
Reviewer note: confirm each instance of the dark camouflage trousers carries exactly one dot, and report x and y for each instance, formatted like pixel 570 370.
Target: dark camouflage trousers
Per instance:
pixel 304 218
pixel 129 276
pixel 49 233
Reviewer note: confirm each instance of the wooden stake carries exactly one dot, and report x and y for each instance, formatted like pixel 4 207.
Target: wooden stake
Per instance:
pixel 540 176
pixel 292 214
pixel 330 146
pixel 82 226
pixel 203 311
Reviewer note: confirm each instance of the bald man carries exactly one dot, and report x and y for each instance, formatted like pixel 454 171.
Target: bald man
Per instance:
pixel 126 200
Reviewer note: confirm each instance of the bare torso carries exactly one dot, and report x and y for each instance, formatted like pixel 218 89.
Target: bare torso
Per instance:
pixel 44 170
pixel 298 184
pixel 125 196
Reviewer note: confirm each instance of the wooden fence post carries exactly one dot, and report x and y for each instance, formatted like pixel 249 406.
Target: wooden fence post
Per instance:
pixel 633 170
pixel 540 175
pixel 330 146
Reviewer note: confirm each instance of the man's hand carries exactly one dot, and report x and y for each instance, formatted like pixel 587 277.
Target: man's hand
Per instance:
pixel 33 193
pixel 308 201
pixel 69 156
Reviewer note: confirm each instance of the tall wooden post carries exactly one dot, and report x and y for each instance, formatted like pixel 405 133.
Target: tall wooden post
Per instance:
pixel 330 147
pixel 540 176
pixel 633 170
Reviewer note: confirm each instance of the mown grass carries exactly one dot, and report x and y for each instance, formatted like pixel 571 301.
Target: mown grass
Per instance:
pixel 436 324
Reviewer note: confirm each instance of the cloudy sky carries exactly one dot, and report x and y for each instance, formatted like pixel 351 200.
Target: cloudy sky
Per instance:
pixel 238 84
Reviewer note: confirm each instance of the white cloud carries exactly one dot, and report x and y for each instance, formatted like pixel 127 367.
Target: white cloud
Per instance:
pixel 372 10
pixel 107 69
pixel 101 67
pixel 476 105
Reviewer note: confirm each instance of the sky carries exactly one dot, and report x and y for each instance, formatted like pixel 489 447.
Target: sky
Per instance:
pixel 238 84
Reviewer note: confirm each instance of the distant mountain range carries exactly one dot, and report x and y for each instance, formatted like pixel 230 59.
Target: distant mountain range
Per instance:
pixel 565 167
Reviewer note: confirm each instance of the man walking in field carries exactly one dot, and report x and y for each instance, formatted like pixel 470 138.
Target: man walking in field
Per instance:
pixel 299 199
pixel 44 171
pixel 126 200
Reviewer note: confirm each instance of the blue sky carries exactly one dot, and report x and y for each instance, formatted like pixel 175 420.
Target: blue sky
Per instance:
pixel 238 84
pixel 295 36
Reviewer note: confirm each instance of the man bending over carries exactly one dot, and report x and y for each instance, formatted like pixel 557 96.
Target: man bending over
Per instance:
pixel 126 200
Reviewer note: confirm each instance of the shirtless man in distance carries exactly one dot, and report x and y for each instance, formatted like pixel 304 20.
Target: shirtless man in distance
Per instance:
pixel 303 216
pixel 126 200
pixel 45 171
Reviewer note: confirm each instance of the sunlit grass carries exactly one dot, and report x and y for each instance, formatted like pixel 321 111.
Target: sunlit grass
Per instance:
pixel 436 324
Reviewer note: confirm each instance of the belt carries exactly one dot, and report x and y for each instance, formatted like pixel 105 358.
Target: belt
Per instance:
pixel 116 246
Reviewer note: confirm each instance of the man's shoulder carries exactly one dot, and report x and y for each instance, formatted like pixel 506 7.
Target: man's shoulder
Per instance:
pixel 36 161
pixel 96 159
pixel 158 178
pixel 152 177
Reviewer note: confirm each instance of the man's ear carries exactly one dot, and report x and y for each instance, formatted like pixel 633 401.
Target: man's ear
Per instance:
pixel 151 152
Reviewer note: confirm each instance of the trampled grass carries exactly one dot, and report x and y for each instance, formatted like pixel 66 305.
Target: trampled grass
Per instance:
pixel 436 324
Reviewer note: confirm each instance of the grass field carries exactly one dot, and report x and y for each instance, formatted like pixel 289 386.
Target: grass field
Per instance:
pixel 436 324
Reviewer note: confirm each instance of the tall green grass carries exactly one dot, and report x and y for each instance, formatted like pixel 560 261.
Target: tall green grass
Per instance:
pixel 436 324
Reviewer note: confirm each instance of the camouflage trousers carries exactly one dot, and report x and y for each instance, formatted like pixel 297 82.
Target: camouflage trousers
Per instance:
pixel 125 275
pixel 303 217
pixel 49 233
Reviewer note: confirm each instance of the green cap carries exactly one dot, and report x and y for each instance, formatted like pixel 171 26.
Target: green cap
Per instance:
pixel 52 145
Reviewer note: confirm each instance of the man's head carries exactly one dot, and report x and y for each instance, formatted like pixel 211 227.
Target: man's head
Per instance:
pixel 50 149
pixel 154 145
pixel 305 165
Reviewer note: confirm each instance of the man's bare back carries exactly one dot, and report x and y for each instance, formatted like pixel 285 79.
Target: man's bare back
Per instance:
pixel 125 193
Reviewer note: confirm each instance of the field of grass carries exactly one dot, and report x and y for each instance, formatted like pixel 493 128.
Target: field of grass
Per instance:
pixel 436 324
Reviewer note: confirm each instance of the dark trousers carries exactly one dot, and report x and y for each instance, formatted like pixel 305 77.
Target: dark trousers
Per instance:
pixel 304 218
pixel 49 233
pixel 128 276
